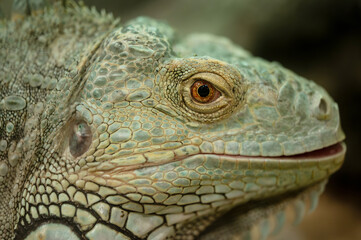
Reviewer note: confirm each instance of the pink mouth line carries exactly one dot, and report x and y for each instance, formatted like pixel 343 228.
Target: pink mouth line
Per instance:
pixel 327 152
pixel 320 153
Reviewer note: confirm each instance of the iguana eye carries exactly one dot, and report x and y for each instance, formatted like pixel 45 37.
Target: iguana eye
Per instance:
pixel 80 138
pixel 204 92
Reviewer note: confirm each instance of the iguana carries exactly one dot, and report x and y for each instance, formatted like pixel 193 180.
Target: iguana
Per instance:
pixel 130 131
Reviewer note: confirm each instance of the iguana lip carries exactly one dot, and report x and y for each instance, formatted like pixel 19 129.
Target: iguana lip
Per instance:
pixel 329 151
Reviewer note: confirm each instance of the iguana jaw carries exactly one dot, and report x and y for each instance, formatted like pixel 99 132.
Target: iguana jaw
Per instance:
pixel 248 177
pixel 263 216
pixel 267 217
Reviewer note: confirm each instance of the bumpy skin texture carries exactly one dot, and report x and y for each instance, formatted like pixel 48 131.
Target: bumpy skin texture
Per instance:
pixel 101 138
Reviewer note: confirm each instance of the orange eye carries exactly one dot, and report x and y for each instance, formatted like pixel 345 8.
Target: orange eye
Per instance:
pixel 204 92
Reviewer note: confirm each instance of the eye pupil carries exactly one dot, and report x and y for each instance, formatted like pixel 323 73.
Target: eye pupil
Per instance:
pixel 203 91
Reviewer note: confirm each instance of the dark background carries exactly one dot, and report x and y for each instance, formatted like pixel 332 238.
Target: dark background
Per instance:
pixel 320 40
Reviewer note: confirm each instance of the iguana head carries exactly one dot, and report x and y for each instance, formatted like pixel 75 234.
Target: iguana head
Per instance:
pixel 170 131
pixel 159 135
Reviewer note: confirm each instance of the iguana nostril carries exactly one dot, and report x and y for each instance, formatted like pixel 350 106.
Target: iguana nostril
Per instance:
pixel 323 109
pixel 323 106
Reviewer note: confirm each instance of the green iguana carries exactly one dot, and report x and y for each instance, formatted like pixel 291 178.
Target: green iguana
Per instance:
pixel 129 131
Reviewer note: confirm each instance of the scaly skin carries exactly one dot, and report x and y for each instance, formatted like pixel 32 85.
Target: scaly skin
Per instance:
pixel 101 137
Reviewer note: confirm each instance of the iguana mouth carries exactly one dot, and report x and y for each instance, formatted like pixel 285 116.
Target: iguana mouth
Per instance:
pixel 332 150
pixel 327 154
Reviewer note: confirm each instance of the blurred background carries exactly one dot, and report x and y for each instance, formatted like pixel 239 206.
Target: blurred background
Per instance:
pixel 319 40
